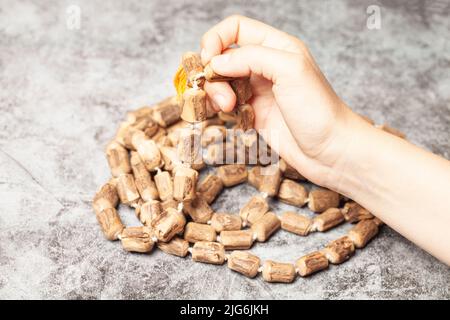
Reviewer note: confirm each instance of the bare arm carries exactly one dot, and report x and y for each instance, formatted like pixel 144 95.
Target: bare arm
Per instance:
pixel 403 185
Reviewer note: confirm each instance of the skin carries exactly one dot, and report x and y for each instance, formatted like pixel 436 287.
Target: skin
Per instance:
pixel 323 138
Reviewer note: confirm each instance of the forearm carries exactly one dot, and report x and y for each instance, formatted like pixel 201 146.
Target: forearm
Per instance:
pixel 403 185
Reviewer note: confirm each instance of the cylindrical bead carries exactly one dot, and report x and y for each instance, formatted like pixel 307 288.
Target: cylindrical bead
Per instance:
pixel 245 117
pixel 198 209
pixel 296 223
pixel 289 172
pixel 177 247
pixel 106 197
pixel 137 239
pixel 226 222
pixel 170 224
pixel 254 210
pixel 328 219
pixel 232 174
pixel 142 178
pixel 208 252
pixel 242 89
pixel 194 105
pixel 118 159
pixel 292 193
pixel 270 180
pixel 353 212
pixel 237 239
pixel 322 199
pixel 127 190
pixel 170 157
pixel 170 203
pixel 210 187
pixel 311 263
pixel 266 226
pixel 164 184
pixel 147 150
pixel 195 232
pixel 213 134
pixel 339 250
pixel 189 146
pixel 363 232
pixel 110 223
pixel 150 211
pixel 184 183
pixel 167 112
pixel 278 272
pixel 244 263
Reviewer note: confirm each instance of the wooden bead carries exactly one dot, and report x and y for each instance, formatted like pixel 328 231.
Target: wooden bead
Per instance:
pixel 144 112
pixel 208 252
pixel 220 153
pixel 137 239
pixel 245 117
pixel 185 182
pixel 292 193
pixel 213 134
pixel 170 157
pixel 110 223
pixel 150 211
pixel 328 219
pixel 244 263
pixel 270 179
pixel 189 146
pixel 169 203
pixel 151 129
pixel 237 239
pixel 194 105
pixel 177 247
pixel 164 185
pixel 124 135
pixel 254 176
pixel 378 222
pixel 322 199
pixel 363 232
pixel 339 250
pixel 254 210
pixel 127 190
pixel 242 89
pixel 144 183
pixel 296 223
pixel 311 263
pixel 147 150
pixel 192 65
pixel 211 76
pixel 198 209
pixel 210 187
pixel 232 174
pixel 106 197
pixel 278 272
pixel 353 212
pixel 118 159
pixel 266 226
pixel 227 117
pixel 289 172
pixel 195 232
pixel 167 112
pixel 226 222
pixel 170 224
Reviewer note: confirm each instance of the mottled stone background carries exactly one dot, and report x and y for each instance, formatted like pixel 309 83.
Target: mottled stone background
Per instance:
pixel 63 92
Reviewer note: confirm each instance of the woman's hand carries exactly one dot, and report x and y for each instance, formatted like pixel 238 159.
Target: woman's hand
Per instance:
pixel 290 94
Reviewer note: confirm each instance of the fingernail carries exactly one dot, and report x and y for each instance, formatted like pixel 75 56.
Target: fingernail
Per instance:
pixel 220 100
pixel 221 60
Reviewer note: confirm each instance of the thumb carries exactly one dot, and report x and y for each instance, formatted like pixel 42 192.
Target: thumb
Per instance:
pixel 272 64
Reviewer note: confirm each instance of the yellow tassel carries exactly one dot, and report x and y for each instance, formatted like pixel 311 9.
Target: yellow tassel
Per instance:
pixel 180 82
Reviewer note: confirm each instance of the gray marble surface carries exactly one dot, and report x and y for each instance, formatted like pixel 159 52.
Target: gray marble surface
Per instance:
pixel 63 93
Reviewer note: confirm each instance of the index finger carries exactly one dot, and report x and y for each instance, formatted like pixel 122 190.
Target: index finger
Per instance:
pixel 241 30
